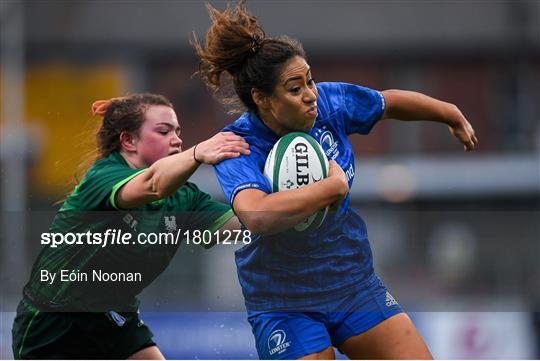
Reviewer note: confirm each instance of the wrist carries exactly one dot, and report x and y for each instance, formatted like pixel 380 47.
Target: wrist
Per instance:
pixel 451 115
pixel 195 155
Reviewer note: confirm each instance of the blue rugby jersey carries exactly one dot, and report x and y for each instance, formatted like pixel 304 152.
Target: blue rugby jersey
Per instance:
pixel 303 270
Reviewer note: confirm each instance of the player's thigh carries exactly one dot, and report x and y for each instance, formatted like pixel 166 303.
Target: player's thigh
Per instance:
pixel 394 338
pixel 149 353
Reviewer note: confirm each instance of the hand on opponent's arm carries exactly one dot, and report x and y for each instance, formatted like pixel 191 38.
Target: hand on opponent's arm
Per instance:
pixel 408 105
pixel 220 147
pixel 168 174
pixel 264 213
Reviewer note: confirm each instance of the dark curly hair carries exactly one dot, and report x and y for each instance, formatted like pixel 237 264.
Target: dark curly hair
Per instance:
pixel 237 47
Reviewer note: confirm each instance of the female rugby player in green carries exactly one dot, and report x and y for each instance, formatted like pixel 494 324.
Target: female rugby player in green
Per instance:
pixel 138 184
pixel 306 292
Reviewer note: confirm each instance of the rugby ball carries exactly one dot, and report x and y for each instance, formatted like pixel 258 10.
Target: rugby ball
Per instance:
pixel 297 160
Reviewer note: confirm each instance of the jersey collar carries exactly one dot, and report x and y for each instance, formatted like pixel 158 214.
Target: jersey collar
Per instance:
pixel 262 129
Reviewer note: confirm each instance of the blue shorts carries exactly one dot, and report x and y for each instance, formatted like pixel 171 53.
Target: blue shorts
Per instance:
pixel 290 335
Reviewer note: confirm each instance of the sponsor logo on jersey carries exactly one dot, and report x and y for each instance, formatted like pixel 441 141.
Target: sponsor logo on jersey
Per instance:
pixel 326 140
pixel 170 223
pixel 349 173
pixel 390 301
pixel 276 342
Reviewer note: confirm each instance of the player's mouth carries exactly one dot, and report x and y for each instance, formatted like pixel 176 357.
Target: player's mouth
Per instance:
pixel 312 112
pixel 175 151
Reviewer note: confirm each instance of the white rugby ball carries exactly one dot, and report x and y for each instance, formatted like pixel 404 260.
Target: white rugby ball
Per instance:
pixel 295 161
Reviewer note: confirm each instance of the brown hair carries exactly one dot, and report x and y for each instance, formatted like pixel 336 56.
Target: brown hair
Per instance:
pixel 237 46
pixel 124 114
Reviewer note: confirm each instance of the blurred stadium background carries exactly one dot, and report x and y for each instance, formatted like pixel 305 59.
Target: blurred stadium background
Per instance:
pixel 454 235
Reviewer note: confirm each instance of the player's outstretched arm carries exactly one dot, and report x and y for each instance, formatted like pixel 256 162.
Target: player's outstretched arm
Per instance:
pixel 264 213
pixel 168 174
pixel 408 105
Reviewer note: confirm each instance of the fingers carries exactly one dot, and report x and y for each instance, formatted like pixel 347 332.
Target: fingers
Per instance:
pixel 466 137
pixel 475 140
pixel 332 164
pixel 228 152
pixel 227 155
pixel 334 168
pixel 237 144
pixel 470 144
pixel 235 149
pixel 222 146
pixel 465 134
pixel 230 136
pixel 228 139
pixel 331 167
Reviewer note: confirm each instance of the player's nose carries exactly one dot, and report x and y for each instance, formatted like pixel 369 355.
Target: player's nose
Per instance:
pixel 310 96
pixel 176 141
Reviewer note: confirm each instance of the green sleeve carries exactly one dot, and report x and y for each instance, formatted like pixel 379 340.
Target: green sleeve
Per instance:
pixel 99 186
pixel 207 213
pixel 117 186
pixel 204 212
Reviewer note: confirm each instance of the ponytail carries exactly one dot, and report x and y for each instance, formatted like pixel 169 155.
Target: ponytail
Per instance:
pixel 237 50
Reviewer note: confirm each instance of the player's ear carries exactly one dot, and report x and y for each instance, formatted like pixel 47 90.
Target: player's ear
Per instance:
pixel 127 141
pixel 259 98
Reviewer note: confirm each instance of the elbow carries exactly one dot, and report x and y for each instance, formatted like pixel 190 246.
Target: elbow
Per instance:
pixel 256 223
pixel 160 194
pixel 156 190
pixel 155 187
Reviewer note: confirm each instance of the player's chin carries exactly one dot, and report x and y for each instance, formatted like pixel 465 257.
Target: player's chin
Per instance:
pixel 304 124
pixel 310 122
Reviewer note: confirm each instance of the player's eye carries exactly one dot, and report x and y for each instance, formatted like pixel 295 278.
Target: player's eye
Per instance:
pixel 311 82
pixel 163 132
pixel 295 90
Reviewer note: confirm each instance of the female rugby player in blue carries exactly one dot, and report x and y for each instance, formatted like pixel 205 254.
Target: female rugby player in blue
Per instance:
pixel 308 291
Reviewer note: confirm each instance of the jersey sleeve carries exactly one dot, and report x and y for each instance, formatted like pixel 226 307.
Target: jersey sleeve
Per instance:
pixel 98 189
pixel 244 172
pixel 359 107
pixel 205 212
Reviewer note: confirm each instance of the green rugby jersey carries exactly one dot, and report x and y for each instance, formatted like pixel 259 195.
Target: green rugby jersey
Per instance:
pixel 91 207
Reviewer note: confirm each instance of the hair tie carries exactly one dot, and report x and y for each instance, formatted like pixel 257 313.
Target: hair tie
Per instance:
pixel 99 107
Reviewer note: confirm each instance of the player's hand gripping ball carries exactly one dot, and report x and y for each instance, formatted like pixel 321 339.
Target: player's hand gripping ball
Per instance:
pixel 295 161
